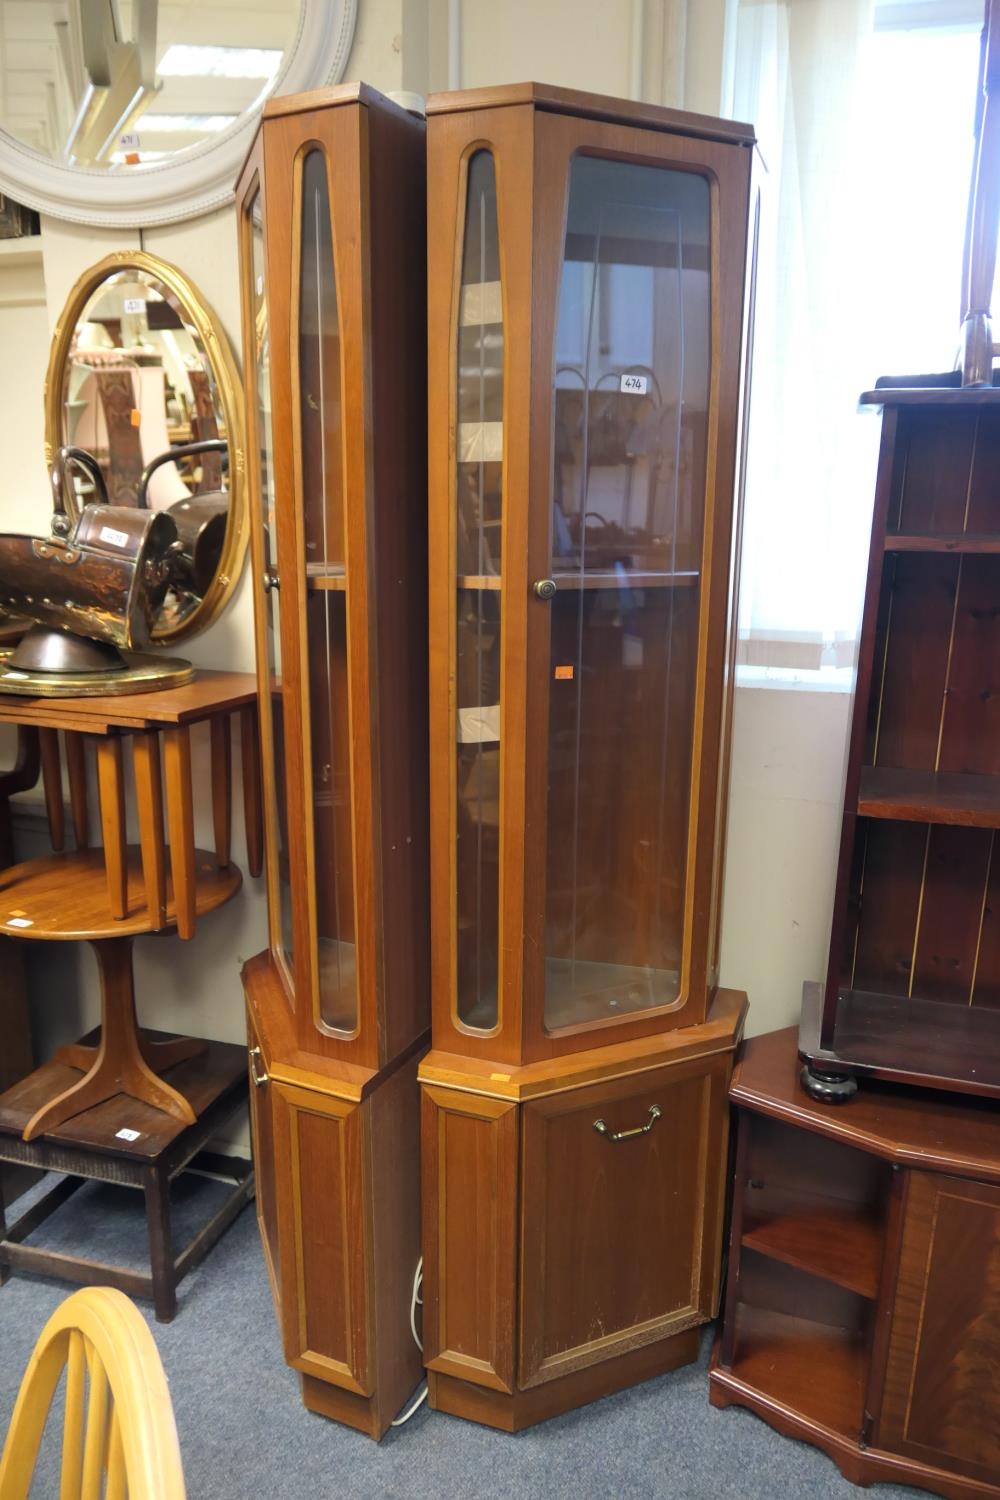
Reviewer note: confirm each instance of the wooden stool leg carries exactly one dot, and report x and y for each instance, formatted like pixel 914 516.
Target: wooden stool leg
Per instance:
pixel 149 799
pixel 222 787
pixel 180 820
pixel 52 782
pixel 119 1067
pixel 161 1254
pixel 111 782
pixel 76 767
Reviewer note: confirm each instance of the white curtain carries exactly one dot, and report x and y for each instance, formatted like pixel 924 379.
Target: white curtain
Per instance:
pixel 866 132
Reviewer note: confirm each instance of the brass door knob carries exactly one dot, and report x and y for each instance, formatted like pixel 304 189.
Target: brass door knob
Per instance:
pixel 545 588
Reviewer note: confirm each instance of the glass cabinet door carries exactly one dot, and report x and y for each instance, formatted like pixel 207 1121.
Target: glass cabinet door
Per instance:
pixel 272 716
pixel 630 409
pixel 479 493
pixel 318 406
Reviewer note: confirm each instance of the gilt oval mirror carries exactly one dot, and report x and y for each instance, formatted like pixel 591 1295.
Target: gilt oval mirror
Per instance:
pixel 142 376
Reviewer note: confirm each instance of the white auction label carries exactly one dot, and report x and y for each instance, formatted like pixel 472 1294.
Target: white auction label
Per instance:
pixel 129 141
pixel 633 385
pixel 127 1135
pixel 20 922
pixel 135 305
pixel 116 538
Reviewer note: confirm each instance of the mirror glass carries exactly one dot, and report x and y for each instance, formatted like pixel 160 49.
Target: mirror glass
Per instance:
pixel 143 379
pixel 128 84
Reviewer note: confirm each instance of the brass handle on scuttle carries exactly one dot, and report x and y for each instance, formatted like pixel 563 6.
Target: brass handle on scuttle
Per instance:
pixel 624 1135
pixel 259 1078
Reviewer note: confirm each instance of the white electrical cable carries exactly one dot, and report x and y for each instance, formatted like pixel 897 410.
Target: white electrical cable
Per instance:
pixel 415 1301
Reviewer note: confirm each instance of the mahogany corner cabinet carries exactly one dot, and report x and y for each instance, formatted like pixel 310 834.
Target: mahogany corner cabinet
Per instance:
pixel 331 223
pixel 588 276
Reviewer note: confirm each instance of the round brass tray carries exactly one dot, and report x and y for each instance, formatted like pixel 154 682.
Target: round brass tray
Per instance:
pixel 142 674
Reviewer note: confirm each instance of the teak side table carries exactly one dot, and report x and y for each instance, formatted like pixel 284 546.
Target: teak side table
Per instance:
pixel 108 896
pixel 69 1115
pixel 862 1306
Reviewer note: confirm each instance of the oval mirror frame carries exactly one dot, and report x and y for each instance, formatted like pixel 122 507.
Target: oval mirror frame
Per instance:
pixel 219 353
pixel 201 178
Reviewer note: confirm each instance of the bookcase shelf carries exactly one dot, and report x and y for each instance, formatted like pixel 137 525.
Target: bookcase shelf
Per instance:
pixel 948 797
pixel 961 542
pixel 824 1239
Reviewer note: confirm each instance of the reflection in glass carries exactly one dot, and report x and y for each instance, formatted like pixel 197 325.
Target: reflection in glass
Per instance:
pixel 631 407
pixel 320 447
pixel 478 481
pixel 265 462
pixel 138 384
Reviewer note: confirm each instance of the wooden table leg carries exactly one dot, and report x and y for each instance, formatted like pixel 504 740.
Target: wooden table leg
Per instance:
pixel 253 813
pixel 149 800
pixel 161 1254
pixel 76 766
pixel 180 820
pixel 222 787
pixel 48 740
pixel 119 1067
pixel 111 783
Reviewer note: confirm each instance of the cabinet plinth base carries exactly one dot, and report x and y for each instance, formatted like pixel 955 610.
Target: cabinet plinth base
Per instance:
pixel 363 1413
pixel 511 1413
pixel 863 1466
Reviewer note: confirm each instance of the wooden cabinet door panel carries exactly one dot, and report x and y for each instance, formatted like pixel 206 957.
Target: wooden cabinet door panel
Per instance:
pixel 321 1150
pixel 941 1394
pixel 469 1146
pixel 262 1144
pixel 620 1239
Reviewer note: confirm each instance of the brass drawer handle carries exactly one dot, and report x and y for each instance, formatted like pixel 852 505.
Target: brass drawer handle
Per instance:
pixel 624 1135
pixel 259 1078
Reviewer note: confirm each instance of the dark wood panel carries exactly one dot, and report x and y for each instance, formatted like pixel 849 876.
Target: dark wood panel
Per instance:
pixel 944 959
pixel 986 991
pixel 469 1194
pixel 324 1229
pixel 909 695
pixel 938 466
pixel 889 905
pixel 970 737
pixel 613 1250
pixel 941 1400
pixel 983 510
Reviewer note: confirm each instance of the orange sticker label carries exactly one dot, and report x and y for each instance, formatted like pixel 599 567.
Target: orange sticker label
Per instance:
pixel 136 418
pixel 564 674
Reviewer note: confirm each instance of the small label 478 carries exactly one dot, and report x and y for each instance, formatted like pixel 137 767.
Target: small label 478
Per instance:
pixel 633 385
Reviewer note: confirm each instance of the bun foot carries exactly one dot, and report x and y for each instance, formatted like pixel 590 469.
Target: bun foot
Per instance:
pixel 826 1087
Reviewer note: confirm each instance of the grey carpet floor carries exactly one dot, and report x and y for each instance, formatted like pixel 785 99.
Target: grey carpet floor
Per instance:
pixel 245 1435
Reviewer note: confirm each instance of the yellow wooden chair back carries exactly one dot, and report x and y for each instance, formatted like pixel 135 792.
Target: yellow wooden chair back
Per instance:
pixel 119 1437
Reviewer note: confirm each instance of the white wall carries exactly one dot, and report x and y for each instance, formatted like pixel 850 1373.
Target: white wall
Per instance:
pixel 788 746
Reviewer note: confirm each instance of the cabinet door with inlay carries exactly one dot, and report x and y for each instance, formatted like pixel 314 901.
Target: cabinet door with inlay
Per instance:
pixel 621 1215
pixel 324 1206
pixel 941 1392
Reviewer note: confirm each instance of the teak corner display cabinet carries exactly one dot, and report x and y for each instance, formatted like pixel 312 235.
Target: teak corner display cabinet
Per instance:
pixel 586 284
pixel 913 988
pixel 331 206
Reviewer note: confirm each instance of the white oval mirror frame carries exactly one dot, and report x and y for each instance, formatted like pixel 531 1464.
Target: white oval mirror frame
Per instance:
pixel 201 178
